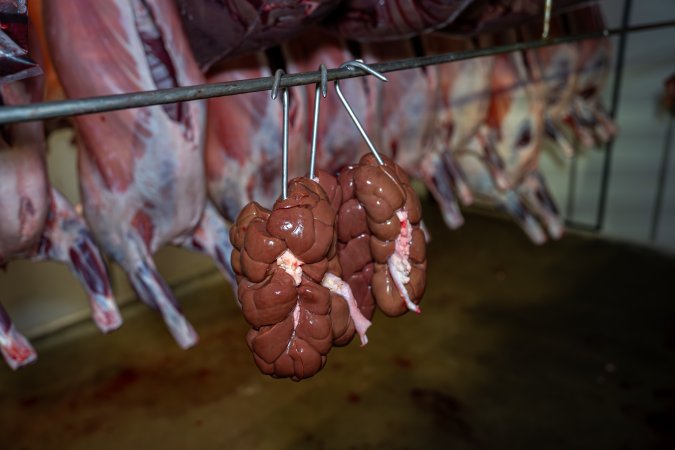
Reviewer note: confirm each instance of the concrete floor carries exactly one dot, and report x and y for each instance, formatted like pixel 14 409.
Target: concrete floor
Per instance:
pixel 571 345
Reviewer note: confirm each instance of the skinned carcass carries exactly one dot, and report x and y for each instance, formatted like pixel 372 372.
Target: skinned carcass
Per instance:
pixel 223 29
pixel 339 143
pixel 486 192
pixel 555 67
pixel 462 106
pixel 404 106
pixel 15 62
pixel 243 144
pixel 141 170
pixel 483 17
pixel 474 104
pixel 39 224
pixel 591 122
pixel 573 76
pixel 513 133
pixel 421 117
pixel 424 113
pixel 514 121
pixel 219 30
pixel 243 160
pixel 375 20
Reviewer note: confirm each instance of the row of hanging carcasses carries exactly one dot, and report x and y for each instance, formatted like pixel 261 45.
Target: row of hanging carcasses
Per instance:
pixel 472 130
pixel 160 175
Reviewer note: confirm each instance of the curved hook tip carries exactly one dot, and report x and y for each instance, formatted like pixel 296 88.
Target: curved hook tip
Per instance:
pixel 359 64
pixel 277 83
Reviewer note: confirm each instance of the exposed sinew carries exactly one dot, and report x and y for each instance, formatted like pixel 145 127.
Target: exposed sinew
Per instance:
pixel 281 258
pixel 335 279
pixel 397 242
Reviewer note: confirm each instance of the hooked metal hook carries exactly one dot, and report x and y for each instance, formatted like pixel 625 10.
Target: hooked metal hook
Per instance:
pixel 321 88
pixel 277 83
pixel 351 65
pixel 284 148
pixel 547 18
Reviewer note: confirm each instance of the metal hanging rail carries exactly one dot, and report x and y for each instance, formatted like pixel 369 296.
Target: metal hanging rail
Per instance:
pixel 75 107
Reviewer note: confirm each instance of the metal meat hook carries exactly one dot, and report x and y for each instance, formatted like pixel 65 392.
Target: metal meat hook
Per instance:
pixel 321 88
pixel 360 65
pixel 284 148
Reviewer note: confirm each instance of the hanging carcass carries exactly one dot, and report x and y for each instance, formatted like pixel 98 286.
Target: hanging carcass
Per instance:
pixel 141 170
pixel 38 223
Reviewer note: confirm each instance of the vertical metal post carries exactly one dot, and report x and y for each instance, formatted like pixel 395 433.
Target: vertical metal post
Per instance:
pixel 661 181
pixel 616 93
pixel 572 189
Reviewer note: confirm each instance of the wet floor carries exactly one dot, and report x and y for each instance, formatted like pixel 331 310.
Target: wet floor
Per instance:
pixel 571 345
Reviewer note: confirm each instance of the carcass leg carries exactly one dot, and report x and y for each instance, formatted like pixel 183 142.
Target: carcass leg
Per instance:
pixel 537 197
pixel 436 178
pixel 483 186
pixel 67 239
pixel 212 237
pixel 604 121
pixel 596 129
pixel 457 179
pixel 153 291
pixel 523 217
pixel 559 138
pixel 494 163
pixel 15 348
pixel 580 130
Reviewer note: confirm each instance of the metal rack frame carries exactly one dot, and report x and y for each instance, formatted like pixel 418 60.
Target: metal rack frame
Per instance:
pixel 609 147
pixel 605 177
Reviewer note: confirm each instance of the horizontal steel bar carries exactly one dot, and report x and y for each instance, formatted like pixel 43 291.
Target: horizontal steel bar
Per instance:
pixel 75 107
